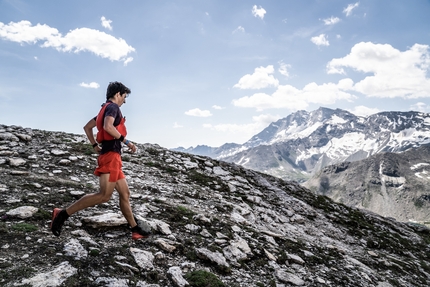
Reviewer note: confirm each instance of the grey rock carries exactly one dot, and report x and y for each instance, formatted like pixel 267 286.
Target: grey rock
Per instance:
pixel 164 245
pixel 175 274
pixel 296 259
pixel 54 277
pixel 17 162
pixel 112 282
pixel 144 284
pixel 58 152
pixel 192 227
pixel 107 219
pixel 23 211
pixel 75 249
pixel 24 137
pixel 215 257
pixel 288 277
pixel 144 259
pixel 219 171
pixel 8 136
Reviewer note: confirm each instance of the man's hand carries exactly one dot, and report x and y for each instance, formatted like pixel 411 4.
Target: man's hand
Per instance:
pixel 132 147
pixel 97 149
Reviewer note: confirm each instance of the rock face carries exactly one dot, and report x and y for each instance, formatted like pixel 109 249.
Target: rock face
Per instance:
pixel 213 222
pixel 391 184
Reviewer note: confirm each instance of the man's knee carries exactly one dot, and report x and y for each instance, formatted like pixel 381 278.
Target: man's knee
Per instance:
pixel 103 198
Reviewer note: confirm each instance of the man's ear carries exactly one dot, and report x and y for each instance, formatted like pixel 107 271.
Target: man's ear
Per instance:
pixel 118 94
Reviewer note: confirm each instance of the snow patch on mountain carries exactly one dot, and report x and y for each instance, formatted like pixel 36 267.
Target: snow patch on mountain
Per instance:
pixel 418 165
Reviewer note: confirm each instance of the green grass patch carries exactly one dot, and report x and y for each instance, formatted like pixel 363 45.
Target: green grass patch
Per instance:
pixel 19 272
pixel 202 278
pixel 24 227
pixel 42 215
pixel 184 210
pixel 83 148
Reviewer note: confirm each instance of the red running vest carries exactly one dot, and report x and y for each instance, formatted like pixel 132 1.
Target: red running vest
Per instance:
pixel 102 135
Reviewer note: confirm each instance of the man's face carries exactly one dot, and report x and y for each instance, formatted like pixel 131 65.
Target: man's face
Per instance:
pixel 121 98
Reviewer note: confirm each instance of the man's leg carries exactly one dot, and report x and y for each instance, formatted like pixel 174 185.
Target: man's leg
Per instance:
pixel 105 193
pixel 124 201
pixel 137 231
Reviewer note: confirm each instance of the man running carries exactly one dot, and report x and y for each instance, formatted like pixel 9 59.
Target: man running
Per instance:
pixel 111 135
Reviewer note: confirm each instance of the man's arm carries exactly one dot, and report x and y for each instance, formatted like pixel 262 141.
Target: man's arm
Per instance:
pixel 110 129
pixel 88 128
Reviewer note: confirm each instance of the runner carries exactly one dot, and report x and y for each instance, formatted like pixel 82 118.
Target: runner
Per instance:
pixel 111 135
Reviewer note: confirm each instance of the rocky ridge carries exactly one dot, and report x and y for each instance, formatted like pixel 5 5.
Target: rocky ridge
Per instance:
pixel 215 224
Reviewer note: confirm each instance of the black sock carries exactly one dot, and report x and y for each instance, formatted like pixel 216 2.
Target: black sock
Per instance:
pixel 134 228
pixel 63 215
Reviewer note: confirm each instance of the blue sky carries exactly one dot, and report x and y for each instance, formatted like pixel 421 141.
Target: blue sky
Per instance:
pixel 209 72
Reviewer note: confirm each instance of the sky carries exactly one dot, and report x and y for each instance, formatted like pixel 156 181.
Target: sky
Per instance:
pixel 209 72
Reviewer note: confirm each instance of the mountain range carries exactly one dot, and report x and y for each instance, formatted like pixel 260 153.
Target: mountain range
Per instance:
pixel 303 143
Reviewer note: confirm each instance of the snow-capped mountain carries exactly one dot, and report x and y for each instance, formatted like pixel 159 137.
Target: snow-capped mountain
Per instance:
pixel 304 142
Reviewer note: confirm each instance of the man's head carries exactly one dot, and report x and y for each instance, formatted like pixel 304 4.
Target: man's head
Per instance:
pixel 116 87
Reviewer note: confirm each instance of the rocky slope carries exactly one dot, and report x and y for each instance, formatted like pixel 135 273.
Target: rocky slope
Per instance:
pixel 296 147
pixel 215 224
pixel 390 184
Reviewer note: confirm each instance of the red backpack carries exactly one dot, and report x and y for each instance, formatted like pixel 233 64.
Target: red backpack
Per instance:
pixel 102 135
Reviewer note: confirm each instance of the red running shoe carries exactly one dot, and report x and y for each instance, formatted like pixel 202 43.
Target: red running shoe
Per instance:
pixel 57 221
pixel 138 232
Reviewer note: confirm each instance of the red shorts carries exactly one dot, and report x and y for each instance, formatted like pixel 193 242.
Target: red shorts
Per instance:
pixel 110 163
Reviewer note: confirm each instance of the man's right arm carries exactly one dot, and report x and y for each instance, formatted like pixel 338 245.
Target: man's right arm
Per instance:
pixel 88 128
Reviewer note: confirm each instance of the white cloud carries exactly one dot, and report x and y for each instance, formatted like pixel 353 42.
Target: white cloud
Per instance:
pixel 106 23
pixel 92 85
pixel 35 57
pixel 81 39
pixel 239 29
pixel 420 107
pixel 261 78
pixel 331 21
pixel 216 107
pixel 292 98
pixel 177 126
pixel 364 111
pixel 198 113
pixel 258 123
pixel 283 69
pixel 128 60
pixel 393 73
pixel 348 10
pixel 320 40
pixel 258 12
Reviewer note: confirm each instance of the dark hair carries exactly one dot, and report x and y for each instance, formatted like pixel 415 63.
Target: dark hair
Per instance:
pixel 115 87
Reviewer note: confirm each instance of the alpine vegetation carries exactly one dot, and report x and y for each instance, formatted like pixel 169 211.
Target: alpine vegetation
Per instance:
pixel 214 224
